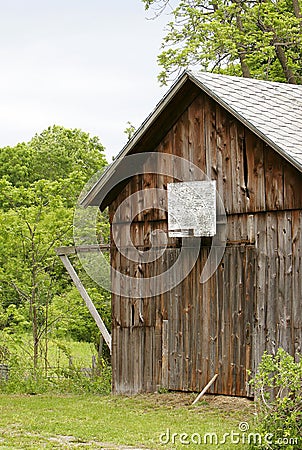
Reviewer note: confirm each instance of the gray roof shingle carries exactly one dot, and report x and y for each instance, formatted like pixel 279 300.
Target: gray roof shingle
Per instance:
pixel 272 110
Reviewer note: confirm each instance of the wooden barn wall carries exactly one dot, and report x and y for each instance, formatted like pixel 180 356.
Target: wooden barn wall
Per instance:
pixel 181 338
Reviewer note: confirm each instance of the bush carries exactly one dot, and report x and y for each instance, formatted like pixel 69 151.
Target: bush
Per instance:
pixel 278 392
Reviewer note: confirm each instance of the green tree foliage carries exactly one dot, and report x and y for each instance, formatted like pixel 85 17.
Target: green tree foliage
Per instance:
pixel 278 391
pixel 40 182
pixel 75 319
pixel 259 38
pixel 57 153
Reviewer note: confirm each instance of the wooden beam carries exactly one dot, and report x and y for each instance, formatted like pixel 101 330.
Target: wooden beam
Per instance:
pixel 84 294
pixel 72 250
pixel 205 388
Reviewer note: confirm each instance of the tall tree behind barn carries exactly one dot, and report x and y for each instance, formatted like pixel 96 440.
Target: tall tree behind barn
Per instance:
pixel 246 135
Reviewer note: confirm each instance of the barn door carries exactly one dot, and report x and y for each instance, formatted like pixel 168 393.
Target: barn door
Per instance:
pixel 209 328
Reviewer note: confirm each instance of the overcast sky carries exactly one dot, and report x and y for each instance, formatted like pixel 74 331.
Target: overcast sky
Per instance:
pixel 81 64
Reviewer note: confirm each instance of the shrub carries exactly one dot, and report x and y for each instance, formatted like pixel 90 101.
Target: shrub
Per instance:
pixel 278 392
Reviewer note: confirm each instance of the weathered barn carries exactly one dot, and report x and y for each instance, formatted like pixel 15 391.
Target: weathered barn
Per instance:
pixel 247 136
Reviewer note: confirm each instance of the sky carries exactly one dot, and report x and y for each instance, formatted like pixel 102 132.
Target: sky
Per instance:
pixel 80 64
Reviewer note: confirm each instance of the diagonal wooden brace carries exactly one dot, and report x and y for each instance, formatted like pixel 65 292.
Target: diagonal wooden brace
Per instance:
pixel 85 296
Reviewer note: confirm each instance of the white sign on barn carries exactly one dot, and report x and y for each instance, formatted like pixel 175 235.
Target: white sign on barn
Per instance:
pixel 192 209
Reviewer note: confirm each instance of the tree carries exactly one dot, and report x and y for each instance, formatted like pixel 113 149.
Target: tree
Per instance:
pixel 40 182
pixel 259 38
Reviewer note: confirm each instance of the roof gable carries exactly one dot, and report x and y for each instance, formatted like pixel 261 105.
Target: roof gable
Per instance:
pixel 273 111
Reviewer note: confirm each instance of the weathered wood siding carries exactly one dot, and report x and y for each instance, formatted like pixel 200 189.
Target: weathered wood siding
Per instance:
pixel 180 339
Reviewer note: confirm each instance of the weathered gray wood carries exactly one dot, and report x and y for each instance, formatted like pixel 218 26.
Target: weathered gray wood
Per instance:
pixel 84 294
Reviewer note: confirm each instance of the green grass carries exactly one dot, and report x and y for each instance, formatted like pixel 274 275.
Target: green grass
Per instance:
pixel 59 350
pixel 69 365
pixel 81 353
pixel 36 422
pixel 80 419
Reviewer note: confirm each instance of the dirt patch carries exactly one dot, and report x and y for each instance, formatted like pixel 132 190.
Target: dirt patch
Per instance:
pixel 183 399
pixel 72 442
pixel 228 403
pixel 66 442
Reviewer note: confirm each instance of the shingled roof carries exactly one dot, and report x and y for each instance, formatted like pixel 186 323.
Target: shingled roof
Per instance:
pixel 273 111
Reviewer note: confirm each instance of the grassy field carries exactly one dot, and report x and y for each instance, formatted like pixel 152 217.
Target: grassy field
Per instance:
pixel 115 422
pixel 59 350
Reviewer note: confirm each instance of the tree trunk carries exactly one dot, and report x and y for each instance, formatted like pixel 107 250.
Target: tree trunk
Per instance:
pixel 241 50
pixel 289 74
pixel 244 67
pixel 297 10
pixel 34 323
pixel 33 299
pixel 35 337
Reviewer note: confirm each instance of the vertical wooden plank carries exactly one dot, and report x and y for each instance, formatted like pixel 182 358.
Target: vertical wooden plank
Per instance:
pixel 259 343
pixel 148 360
pixel 125 362
pixel 158 305
pixel 238 161
pixel 195 322
pixel 165 354
pixel 296 307
pixel 233 192
pixel 209 135
pixel 185 326
pixel 226 321
pixel 283 307
pixel 179 330
pixel 241 320
pixel 255 169
pixel 212 140
pixel 137 358
pixel 213 337
pixel 220 299
pixel 173 338
pixel 222 137
pixel 205 299
pixel 196 132
pixel 197 326
pixel 250 286
pixel 272 281
pixel 274 181
pixel 234 302
pixel 227 172
pixel 181 147
pixel 292 187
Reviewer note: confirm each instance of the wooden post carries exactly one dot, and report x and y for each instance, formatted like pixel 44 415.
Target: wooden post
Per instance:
pixel 100 349
pixel 205 389
pixel 84 294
